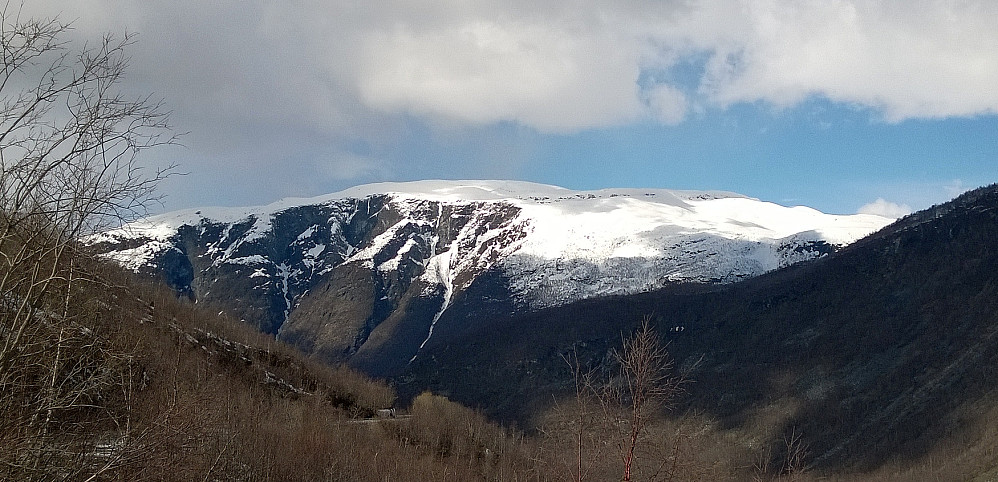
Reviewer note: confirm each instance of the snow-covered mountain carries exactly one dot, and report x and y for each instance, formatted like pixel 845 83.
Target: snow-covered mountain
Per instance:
pixel 380 269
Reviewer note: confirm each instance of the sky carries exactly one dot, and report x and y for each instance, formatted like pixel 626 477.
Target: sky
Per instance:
pixel 842 105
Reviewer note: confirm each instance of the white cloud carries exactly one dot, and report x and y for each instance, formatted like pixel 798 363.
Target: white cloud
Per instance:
pixel 668 105
pixel 918 59
pixel 554 65
pixel 560 70
pixel 882 207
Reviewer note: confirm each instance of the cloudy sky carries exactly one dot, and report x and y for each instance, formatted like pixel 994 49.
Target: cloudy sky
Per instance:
pixel 842 105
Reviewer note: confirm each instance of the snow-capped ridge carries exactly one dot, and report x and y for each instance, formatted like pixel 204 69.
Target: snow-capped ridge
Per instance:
pixel 435 239
pixel 597 225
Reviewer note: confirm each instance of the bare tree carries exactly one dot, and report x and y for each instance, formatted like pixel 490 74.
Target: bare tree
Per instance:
pixel 588 436
pixel 69 141
pixel 795 465
pixel 791 466
pixel 615 410
pixel 646 384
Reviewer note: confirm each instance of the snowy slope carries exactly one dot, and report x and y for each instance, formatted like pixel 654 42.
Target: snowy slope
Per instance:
pixel 550 245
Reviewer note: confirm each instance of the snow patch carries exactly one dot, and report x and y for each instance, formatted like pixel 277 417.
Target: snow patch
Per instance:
pixel 248 260
pixel 134 259
pixel 393 264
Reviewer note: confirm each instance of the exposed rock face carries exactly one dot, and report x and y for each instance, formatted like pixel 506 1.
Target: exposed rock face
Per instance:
pixel 373 274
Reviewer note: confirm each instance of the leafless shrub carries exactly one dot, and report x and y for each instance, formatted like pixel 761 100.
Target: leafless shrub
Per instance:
pixel 795 464
pixel 789 461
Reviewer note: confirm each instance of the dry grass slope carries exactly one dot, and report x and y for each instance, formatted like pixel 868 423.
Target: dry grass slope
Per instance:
pixel 167 390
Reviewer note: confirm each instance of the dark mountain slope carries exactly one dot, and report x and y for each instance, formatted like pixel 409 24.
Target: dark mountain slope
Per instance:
pixel 877 354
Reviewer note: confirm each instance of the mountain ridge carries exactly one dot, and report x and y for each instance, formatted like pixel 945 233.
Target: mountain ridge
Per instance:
pixel 397 256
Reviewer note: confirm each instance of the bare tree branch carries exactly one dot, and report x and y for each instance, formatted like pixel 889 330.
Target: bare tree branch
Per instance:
pixel 70 142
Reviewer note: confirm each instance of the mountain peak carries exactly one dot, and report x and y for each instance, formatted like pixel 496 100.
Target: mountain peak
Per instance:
pixel 404 257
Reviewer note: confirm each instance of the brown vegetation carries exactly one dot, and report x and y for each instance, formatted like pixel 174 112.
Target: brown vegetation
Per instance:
pixel 167 391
